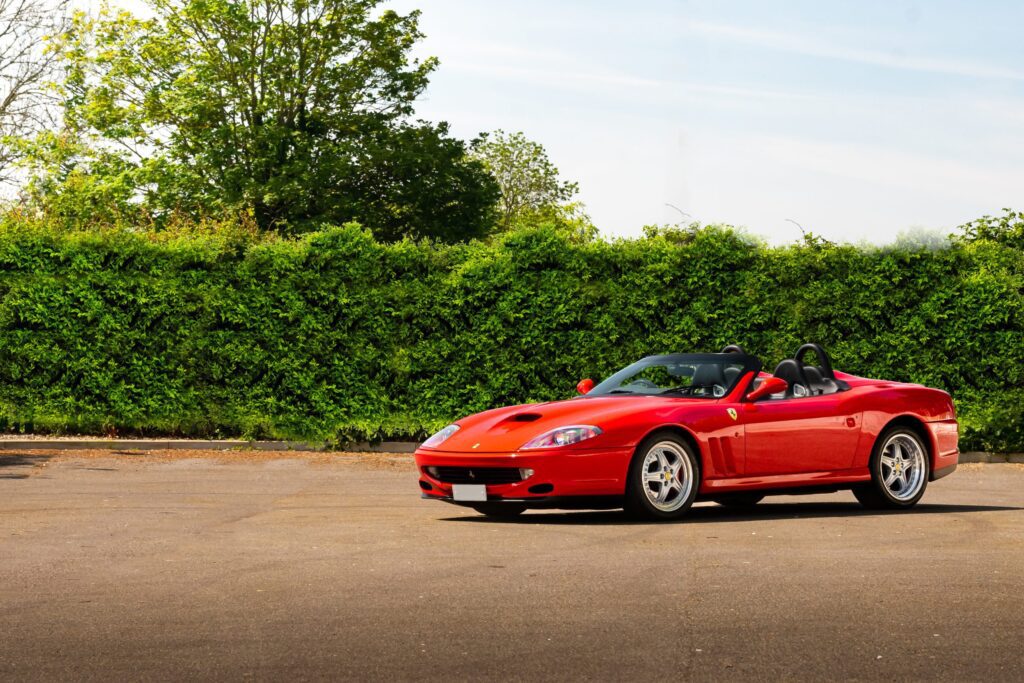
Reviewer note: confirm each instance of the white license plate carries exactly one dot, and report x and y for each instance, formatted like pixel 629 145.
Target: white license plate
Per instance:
pixel 473 493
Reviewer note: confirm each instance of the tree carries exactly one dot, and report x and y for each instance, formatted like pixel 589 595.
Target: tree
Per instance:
pixel 529 183
pixel 296 110
pixel 416 182
pixel 920 238
pixel 25 66
pixel 1006 228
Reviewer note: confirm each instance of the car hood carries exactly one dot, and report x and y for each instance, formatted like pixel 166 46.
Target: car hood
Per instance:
pixel 507 429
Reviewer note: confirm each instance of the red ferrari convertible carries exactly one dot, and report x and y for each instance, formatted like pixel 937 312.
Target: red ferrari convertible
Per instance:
pixel 669 430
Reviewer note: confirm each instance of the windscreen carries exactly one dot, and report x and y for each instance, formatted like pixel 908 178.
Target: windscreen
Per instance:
pixel 690 376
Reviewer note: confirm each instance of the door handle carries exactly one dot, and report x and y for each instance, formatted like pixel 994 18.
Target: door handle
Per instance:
pixel 851 422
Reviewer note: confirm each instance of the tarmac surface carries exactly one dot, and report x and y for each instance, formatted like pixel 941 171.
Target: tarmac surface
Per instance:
pixel 276 566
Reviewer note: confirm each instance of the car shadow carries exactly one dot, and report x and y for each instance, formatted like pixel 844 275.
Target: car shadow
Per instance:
pixel 717 513
pixel 17 465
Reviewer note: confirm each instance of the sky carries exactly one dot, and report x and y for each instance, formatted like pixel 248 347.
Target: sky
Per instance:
pixel 856 119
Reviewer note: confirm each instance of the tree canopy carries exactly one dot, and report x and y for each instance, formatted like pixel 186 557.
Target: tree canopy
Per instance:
pixel 298 111
pixel 529 182
pixel 1006 228
pixel 25 68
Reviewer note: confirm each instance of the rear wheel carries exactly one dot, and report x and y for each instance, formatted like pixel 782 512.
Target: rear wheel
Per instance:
pixel 740 500
pixel 663 478
pixel 500 510
pixel 899 471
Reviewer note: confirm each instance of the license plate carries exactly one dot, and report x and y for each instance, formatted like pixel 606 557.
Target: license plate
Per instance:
pixel 474 493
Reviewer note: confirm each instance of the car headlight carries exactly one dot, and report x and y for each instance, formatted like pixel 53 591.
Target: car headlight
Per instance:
pixel 563 436
pixel 440 437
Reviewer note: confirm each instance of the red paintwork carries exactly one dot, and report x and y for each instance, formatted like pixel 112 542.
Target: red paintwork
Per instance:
pixel 772 445
pixel 770 385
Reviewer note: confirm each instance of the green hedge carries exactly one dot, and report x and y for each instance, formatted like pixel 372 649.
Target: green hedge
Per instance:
pixel 337 337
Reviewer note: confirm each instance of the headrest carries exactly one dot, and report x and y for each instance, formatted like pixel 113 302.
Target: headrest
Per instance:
pixel 789 370
pixel 709 373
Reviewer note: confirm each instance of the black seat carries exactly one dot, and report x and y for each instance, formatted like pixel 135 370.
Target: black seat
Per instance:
pixel 821 379
pixel 790 371
pixel 711 374
pixel 731 373
pixel 817 382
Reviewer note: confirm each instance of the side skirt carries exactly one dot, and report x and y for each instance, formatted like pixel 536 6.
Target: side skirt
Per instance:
pixel 793 491
pixel 816 482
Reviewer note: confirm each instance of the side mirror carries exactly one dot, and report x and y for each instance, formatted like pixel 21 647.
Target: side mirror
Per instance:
pixel 585 386
pixel 771 385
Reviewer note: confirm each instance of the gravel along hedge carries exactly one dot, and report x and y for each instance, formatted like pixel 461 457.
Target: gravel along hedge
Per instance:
pixel 334 336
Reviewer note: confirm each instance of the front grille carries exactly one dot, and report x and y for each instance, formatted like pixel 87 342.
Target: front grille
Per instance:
pixel 475 475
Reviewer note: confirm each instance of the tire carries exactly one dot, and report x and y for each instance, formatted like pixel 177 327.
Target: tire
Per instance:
pixel 740 500
pixel 900 466
pixel 663 479
pixel 500 510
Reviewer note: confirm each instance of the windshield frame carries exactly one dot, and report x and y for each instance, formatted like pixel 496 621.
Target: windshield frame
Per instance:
pixel 749 363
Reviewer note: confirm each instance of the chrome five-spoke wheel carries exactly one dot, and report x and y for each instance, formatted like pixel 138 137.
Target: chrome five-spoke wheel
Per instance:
pixel 668 476
pixel 902 464
pixel 899 470
pixel 664 479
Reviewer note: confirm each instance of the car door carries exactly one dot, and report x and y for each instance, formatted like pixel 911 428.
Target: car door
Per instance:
pixel 796 435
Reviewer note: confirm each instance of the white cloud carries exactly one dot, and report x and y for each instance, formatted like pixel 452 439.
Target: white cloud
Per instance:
pixel 814 47
pixel 893 168
pixel 554 75
pixel 846 192
pixel 563 75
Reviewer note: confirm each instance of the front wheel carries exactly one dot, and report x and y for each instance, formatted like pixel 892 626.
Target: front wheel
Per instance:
pixel 663 478
pixel 899 471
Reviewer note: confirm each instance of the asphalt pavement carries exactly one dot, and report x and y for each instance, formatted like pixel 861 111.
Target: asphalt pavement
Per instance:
pixel 213 566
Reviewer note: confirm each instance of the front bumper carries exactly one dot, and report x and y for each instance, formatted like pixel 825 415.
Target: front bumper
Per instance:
pixel 544 502
pixel 556 473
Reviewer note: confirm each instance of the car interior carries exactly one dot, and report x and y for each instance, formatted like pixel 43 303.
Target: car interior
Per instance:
pixel 803 378
pixel 732 372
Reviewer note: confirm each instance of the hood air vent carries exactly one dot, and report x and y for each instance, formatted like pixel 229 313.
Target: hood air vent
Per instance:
pixel 525 417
